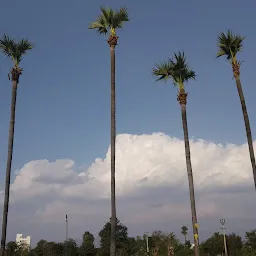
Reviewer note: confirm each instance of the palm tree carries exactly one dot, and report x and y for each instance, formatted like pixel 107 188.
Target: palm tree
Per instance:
pixel 15 50
pixel 229 45
pixel 179 72
pixel 107 23
pixel 184 232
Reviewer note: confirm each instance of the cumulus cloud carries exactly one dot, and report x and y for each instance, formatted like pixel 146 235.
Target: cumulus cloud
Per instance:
pixel 151 184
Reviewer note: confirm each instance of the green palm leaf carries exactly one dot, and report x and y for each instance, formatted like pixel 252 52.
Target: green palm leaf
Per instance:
pixel 7 45
pixel 176 69
pixel 110 19
pixel 163 70
pixel 15 50
pixel 229 44
pixel 181 72
pixel 107 14
pixel 100 25
pixel 121 17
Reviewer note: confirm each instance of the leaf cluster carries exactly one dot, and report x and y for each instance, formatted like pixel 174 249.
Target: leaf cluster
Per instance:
pixel 109 20
pixel 15 49
pixel 176 69
pixel 229 44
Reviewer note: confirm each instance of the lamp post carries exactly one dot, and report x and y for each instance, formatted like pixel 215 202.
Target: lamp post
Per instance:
pixel 147 244
pixel 66 227
pixel 222 222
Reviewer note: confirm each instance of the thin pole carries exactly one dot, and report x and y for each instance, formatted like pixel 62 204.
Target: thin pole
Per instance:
pixel 66 227
pixel 222 222
pixel 147 244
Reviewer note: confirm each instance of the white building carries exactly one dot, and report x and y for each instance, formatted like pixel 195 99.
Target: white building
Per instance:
pixel 23 241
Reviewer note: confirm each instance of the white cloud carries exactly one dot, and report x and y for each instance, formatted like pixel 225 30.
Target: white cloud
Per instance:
pixel 151 182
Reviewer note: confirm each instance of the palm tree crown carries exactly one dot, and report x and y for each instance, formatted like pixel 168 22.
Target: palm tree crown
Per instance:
pixel 229 45
pixel 110 20
pixel 176 69
pixel 15 50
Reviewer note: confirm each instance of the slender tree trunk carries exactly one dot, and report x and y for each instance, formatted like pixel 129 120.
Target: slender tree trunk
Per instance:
pixel 225 244
pixel 247 125
pixel 182 99
pixel 113 153
pixel 8 166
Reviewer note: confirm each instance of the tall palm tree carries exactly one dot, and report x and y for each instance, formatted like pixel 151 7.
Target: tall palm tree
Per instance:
pixel 15 50
pixel 107 23
pixel 229 45
pixel 184 232
pixel 179 72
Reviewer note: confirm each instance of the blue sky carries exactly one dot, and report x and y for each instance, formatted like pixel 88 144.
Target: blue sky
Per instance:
pixel 63 105
pixel 63 97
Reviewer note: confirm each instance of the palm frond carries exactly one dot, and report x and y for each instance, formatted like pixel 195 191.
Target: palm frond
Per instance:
pixel 100 25
pixel 176 69
pixel 163 70
pixel 108 14
pixel 229 44
pixel 181 71
pixel 121 17
pixel 191 75
pixel 110 19
pixel 15 50
pixel 221 53
pixel 23 46
pixel 7 45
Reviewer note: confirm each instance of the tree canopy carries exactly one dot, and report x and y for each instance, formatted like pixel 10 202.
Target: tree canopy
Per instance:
pixel 15 49
pixel 176 69
pixel 87 247
pixel 229 45
pixel 109 20
pixel 121 238
pixel 136 246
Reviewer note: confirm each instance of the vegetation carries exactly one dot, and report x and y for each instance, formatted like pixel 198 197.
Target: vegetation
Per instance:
pixel 229 46
pixel 15 50
pixel 159 244
pixel 178 71
pixel 107 23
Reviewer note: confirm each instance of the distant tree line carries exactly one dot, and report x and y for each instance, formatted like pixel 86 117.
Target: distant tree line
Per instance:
pixel 159 244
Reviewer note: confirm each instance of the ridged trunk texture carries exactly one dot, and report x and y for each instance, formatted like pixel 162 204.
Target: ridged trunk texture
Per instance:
pixel 9 166
pixel 182 99
pixel 247 124
pixel 113 153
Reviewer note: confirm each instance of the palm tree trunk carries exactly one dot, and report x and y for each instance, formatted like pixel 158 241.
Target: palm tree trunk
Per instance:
pixel 113 153
pixel 247 126
pixel 190 178
pixel 8 166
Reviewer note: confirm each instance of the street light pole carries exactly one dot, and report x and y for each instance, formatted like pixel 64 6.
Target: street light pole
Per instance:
pixel 222 222
pixel 147 244
pixel 66 227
